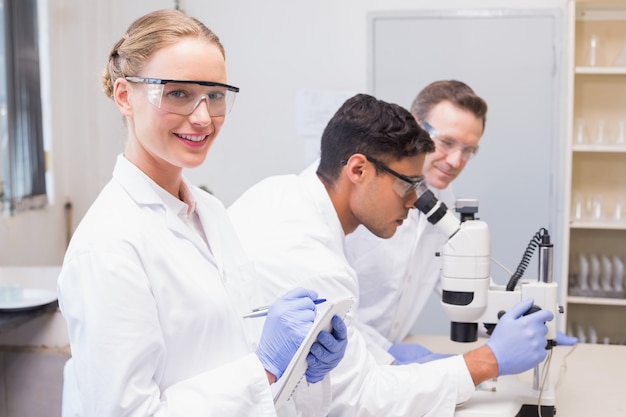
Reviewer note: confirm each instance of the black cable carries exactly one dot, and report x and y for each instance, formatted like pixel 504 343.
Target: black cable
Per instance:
pixel 528 253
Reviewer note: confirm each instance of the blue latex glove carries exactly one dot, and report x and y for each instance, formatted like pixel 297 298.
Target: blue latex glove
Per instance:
pixel 562 339
pixel 519 342
pixel 288 322
pixel 404 353
pixel 326 353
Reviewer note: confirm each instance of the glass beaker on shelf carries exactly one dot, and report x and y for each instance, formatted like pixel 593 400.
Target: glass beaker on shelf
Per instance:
pixel 620 138
pixel 580 134
pixel 600 137
pixel 581 207
pixel 593 51
pixel 618 210
pixel 597 209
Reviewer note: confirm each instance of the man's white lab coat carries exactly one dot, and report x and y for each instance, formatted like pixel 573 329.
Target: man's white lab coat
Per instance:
pixel 397 275
pixel 290 230
pixel 154 313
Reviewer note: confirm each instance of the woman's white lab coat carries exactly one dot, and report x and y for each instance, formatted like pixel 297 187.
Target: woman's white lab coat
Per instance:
pixel 397 275
pixel 289 228
pixel 149 309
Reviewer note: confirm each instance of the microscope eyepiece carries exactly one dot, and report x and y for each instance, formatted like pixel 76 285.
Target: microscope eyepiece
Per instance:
pixel 437 213
pixel 434 209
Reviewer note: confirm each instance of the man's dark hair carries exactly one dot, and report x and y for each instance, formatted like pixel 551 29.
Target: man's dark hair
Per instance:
pixel 365 125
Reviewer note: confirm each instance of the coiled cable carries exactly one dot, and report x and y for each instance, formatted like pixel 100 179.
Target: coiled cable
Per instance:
pixel 528 253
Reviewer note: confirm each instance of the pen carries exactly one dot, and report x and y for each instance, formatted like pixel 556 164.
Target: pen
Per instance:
pixel 262 311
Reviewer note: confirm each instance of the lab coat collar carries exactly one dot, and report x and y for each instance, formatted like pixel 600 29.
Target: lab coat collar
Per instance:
pixel 141 188
pixel 145 192
pixel 324 205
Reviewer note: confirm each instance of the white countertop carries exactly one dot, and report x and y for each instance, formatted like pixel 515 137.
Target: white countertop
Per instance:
pixel 37 327
pixel 589 379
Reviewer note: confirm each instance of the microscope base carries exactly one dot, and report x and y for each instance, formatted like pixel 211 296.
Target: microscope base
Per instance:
pixel 533 411
pixel 508 397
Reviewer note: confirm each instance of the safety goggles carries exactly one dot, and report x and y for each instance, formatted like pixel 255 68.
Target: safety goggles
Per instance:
pixel 402 185
pixel 183 97
pixel 447 145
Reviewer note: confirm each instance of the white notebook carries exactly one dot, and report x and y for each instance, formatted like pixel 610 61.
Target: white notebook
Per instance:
pixel 288 382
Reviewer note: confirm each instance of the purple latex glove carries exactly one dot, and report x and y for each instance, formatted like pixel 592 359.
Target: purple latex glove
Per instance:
pixel 287 324
pixel 562 339
pixel 326 353
pixel 519 341
pixel 404 353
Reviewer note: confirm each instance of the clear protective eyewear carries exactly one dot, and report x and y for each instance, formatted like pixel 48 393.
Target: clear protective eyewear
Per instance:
pixel 447 145
pixel 183 97
pixel 402 185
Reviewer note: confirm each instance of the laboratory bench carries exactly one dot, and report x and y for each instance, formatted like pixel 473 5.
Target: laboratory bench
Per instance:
pixel 33 342
pixel 10 320
pixel 36 286
pixel 589 379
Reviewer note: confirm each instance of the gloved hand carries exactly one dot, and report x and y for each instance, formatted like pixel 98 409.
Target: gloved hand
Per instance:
pixel 519 342
pixel 404 353
pixel 562 339
pixel 288 322
pixel 326 353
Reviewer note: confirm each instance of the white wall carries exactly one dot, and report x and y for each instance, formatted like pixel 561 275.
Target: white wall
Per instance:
pixel 87 132
pixel 274 49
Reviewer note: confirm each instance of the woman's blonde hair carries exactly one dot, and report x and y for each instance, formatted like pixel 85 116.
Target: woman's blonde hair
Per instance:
pixel 147 35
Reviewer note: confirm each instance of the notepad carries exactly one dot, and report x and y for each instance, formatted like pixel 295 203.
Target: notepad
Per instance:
pixel 288 382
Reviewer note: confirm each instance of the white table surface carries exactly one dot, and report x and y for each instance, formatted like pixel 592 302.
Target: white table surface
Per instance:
pixel 589 379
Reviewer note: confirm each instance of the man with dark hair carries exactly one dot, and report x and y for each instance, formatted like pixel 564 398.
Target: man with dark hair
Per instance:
pixel 397 275
pixel 372 154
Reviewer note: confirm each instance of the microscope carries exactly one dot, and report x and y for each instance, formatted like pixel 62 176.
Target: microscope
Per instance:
pixel 470 297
